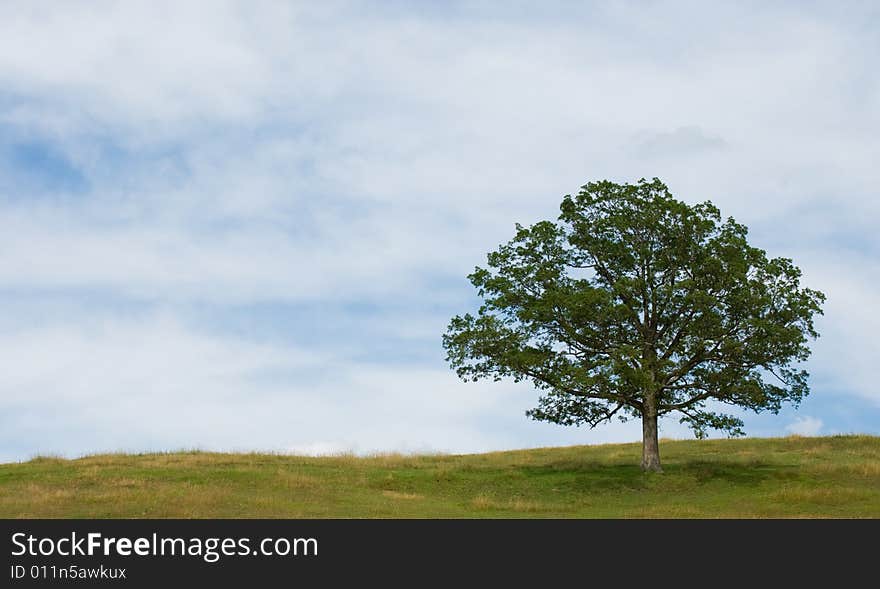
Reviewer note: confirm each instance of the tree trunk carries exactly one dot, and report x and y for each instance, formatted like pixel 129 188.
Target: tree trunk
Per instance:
pixel 650 447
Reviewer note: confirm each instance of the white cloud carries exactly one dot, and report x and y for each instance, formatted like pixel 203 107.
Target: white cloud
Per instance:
pixel 156 384
pixel 805 426
pixel 683 141
pixel 322 449
pixel 845 355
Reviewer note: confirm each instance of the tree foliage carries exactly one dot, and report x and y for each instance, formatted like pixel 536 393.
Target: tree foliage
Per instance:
pixel 634 303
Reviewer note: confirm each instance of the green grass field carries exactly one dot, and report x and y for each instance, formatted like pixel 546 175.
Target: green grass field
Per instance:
pixel 829 477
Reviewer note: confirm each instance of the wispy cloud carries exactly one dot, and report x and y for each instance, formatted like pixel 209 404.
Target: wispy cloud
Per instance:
pixel 683 141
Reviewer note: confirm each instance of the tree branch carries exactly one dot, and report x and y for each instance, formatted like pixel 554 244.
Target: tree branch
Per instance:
pixel 608 415
pixel 701 356
pixel 683 404
pixel 619 398
pixel 630 303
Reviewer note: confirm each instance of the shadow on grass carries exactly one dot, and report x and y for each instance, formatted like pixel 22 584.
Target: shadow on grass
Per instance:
pixel 739 473
pixel 594 476
pixel 588 476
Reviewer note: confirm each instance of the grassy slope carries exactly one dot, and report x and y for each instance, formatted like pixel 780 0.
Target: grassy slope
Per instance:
pixel 779 477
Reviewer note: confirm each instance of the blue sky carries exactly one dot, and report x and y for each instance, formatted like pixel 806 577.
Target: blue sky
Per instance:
pixel 237 226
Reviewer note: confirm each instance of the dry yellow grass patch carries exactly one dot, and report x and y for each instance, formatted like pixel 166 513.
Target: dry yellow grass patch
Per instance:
pixel 524 505
pixel 867 469
pixel 668 511
pixel 483 502
pixel 400 495
pixel 37 493
pixel 127 483
pixel 443 474
pixel 818 449
pixel 620 455
pixel 382 459
pixel 862 469
pixel 297 480
pixel 830 496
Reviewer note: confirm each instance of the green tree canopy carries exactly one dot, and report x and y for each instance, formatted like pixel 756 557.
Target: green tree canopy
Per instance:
pixel 637 305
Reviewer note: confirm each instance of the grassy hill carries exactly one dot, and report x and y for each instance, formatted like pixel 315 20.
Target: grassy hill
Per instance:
pixel 779 477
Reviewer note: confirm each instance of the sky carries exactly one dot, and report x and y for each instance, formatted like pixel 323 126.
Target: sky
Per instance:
pixel 246 225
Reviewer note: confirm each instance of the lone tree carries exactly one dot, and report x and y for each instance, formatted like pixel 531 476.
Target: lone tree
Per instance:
pixel 638 305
